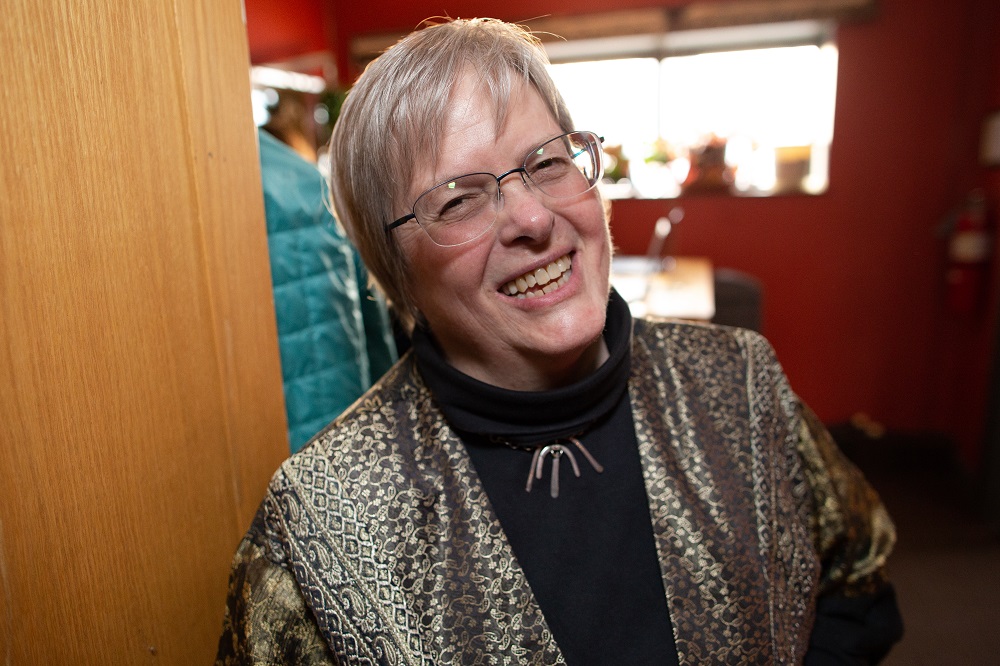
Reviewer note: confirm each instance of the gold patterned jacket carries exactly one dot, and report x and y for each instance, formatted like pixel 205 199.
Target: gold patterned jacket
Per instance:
pixel 376 544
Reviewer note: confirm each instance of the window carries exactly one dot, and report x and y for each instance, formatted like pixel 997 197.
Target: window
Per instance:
pixel 739 110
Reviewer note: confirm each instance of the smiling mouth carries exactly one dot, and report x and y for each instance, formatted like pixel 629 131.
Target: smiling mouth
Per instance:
pixel 540 281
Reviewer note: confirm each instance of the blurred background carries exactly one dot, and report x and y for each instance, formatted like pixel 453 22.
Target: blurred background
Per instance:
pixel 842 153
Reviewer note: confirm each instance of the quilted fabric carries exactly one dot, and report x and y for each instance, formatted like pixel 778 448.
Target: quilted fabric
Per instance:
pixel 333 332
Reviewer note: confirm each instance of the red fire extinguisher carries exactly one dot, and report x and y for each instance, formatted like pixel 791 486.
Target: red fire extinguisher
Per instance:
pixel 970 248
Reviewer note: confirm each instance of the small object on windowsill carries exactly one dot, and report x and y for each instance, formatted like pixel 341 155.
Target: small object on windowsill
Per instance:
pixel 616 168
pixel 709 172
pixel 791 168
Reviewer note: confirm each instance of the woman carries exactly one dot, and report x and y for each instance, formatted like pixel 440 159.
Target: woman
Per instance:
pixel 543 479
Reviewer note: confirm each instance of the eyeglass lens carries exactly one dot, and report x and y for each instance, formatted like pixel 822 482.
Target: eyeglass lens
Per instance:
pixel 462 209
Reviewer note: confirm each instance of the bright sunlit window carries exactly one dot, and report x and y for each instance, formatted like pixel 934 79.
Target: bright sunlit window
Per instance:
pixel 754 121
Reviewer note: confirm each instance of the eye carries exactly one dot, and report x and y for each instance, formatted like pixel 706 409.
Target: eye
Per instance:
pixel 550 167
pixel 448 206
pixel 455 205
pixel 552 162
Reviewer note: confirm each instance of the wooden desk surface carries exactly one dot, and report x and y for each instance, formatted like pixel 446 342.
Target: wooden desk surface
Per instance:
pixel 677 287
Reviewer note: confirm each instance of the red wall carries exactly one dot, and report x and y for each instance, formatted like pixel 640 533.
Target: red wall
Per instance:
pixel 853 278
pixel 967 345
pixel 282 29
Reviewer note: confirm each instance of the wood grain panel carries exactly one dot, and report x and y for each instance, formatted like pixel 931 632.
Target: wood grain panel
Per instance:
pixel 140 391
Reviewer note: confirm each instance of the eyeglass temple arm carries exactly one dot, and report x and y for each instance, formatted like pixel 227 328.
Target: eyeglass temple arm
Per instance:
pixel 400 222
pixel 600 140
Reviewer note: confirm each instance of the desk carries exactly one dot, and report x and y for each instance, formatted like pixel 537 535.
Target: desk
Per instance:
pixel 676 287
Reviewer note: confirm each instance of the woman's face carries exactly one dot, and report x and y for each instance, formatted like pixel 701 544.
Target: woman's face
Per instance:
pixel 462 291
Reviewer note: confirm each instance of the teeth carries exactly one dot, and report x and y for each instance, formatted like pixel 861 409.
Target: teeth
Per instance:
pixel 547 279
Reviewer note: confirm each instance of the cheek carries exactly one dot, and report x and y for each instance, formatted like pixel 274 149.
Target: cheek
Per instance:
pixel 462 269
pixel 444 274
pixel 418 258
pixel 593 225
pixel 590 216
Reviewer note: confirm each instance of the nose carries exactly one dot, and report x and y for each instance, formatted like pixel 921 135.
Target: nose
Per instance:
pixel 522 214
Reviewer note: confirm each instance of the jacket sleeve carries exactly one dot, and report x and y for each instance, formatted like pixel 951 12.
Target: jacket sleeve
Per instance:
pixel 266 620
pixel 857 619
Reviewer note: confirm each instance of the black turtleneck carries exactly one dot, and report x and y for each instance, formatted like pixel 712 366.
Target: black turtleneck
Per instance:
pixel 588 554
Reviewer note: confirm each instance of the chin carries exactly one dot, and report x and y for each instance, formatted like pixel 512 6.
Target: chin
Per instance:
pixel 577 332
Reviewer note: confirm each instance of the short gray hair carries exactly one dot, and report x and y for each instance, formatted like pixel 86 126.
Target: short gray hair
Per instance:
pixel 394 118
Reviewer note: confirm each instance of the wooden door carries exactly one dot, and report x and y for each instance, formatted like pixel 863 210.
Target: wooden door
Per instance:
pixel 140 392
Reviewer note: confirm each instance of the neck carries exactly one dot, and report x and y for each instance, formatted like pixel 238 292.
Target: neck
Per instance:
pixel 530 416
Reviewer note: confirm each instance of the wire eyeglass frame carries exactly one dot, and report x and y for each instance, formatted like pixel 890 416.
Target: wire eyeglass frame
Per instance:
pixel 455 211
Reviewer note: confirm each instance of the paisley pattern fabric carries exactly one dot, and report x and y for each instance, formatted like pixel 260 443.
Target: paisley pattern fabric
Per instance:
pixel 376 544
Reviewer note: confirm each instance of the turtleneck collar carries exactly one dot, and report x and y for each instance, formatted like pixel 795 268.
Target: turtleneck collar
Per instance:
pixel 525 417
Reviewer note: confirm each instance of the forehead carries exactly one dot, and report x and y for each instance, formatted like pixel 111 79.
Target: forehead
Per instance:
pixel 479 135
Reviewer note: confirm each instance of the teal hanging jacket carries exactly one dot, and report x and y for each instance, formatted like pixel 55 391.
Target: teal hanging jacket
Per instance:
pixel 333 331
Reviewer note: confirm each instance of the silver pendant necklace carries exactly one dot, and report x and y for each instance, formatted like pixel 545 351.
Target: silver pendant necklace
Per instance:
pixel 555 451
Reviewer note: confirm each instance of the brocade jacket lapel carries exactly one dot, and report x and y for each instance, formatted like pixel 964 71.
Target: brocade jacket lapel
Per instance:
pixel 715 422
pixel 396 544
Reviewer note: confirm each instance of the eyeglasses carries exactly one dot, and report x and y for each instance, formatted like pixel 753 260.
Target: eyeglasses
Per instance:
pixel 462 209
